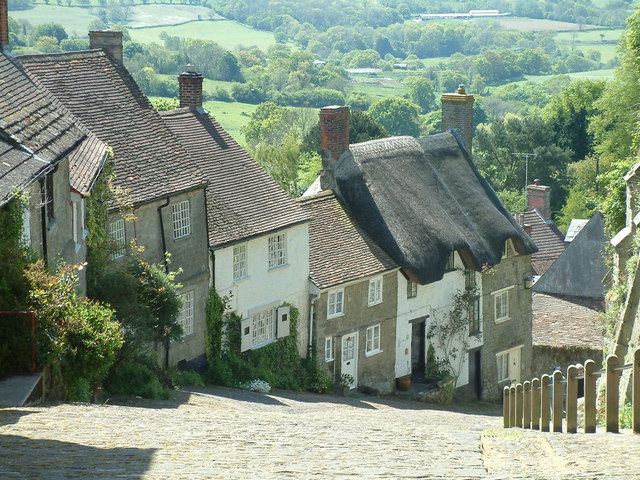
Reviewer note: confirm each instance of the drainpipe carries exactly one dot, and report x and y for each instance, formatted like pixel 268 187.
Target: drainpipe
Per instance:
pixel 43 219
pixel 311 312
pixel 166 269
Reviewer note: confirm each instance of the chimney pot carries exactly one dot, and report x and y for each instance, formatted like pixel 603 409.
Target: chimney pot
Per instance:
pixel 537 181
pixel 4 25
pixel 528 229
pixel 457 112
pixel 334 140
pixel 108 40
pixel 190 83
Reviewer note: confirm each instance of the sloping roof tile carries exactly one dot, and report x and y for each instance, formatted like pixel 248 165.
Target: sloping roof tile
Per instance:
pixel 339 250
pixel 86 162
pixel 547 238
pixel 150 162
pixel 566 321
pixel 243 201
pixel 421 199
pixel 17 169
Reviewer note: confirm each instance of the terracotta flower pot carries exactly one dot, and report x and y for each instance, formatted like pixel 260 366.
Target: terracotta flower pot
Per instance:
pixel 403 383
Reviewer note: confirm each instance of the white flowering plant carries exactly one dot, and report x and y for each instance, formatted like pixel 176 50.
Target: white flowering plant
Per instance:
pixel 256 386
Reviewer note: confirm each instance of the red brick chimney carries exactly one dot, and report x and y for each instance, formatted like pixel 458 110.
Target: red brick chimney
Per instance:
pixel 457 112
pixel 334 140
pixel 108 40
pixel 190 88
pixel 4 25
pixel 539 198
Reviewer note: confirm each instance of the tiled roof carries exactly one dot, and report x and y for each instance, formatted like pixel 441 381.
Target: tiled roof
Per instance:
pixel 150 162
pixel 566 321
pixel 339 251
pixel 36 130
pixel 86 162
pixel 243 201
pixel 547 238
pixel 17 169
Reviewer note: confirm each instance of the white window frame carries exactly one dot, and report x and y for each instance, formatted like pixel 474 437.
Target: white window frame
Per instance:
pixel 335 303
pixel 502 363
pixel 181 216
pixel 412 289
pixel 278 250
pixel 263 327
pixel 240 262
pixel 501 304
pixel 373 335
pixel 375 291
pixel 328 349
pixel 117 234
pixel 187 313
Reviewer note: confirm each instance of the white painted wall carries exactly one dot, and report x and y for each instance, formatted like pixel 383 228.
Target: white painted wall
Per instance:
pixel 432 299
pixel 263 286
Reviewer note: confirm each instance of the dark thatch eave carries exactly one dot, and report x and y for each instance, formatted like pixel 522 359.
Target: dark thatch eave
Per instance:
pixel 421 199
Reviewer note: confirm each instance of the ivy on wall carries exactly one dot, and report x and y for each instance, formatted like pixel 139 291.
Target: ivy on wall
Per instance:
pixel 277 363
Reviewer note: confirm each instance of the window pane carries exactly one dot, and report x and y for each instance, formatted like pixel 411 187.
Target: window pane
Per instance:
pixel 186 313
pixel 117 236
pixel 239 262
pixel 263 326
pixel 277 250
pixel 181 219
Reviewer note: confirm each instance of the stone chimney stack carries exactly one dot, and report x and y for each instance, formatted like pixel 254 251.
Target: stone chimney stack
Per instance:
pixel 457 112
pixel 108 40
pixel 190 87
pixel 539 197
pixel 334 140
pixel 4 25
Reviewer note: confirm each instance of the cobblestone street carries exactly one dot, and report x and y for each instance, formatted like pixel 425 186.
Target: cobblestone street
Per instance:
pixel 222 433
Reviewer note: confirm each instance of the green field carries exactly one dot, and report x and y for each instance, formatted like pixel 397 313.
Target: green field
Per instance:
pixel 227 33
pixel 535 24
pixel 75 20
pixel 154 15
pixel 593 75
pixel 605 41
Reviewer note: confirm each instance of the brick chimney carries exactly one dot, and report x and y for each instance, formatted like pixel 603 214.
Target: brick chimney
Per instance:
pixel 457 112
pixel 334 140
pixel 190 88
pixel 108 40
pixel 4 25
pixel 539 197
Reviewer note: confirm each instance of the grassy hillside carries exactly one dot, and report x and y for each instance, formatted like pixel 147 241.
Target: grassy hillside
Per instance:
pixel 75 20
pixel 227 33
pixel 154 15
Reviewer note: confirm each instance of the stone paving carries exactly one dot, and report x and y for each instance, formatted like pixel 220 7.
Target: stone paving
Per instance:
pixel 218 433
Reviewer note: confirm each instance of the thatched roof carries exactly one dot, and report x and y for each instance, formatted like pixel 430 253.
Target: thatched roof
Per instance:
pixel 421 199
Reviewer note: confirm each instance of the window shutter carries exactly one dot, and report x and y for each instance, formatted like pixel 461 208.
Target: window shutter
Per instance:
pixel 284 322
pixel 246 334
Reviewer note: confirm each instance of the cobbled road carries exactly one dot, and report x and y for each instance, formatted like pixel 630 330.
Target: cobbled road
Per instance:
pixel 218 433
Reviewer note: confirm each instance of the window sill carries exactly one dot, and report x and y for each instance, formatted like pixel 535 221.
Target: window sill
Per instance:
pixel 372 353
pixel 175 239
pixel 374 303
pixel 241 279
pixel 328 360
pixel 502 320
pixel 263 344
pixel 277 267
pixel 335 315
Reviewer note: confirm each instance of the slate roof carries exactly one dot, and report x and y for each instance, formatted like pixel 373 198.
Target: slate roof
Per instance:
pixel 243 201
pixel 339 250
pixel 547 238
pixel 36 131
pixel 150 162
pixel 421 199
pixel 566 321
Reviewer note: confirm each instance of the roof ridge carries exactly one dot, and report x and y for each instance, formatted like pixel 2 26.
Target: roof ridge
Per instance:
pixel 323 195
pixel 46 57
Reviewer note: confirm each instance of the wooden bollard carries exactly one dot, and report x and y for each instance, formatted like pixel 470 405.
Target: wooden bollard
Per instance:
pixel 557 401
pixel 526 404
pixel 572 399
pixel 612 393
pixel 512 405
pixel 506 418
pixel 545 409
pixel 635 399
pixel 535 404
pixel 590 396
pixel 519 406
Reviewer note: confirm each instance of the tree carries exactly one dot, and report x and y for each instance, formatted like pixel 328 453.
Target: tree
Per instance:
pixel 422 92
pixel 397 115
pixel 227 68
pixel 51 29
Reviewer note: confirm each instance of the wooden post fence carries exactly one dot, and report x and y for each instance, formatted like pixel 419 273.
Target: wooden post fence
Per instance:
pixel 534 404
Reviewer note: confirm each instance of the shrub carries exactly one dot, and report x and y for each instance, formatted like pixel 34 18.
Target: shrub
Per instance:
pixel 137 376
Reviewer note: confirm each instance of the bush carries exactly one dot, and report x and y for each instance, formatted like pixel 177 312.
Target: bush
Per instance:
pixel 320 382
pixel 137 376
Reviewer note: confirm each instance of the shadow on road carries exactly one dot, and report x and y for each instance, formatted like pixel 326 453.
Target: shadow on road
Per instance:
pixel 9 416
pixel 22 457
